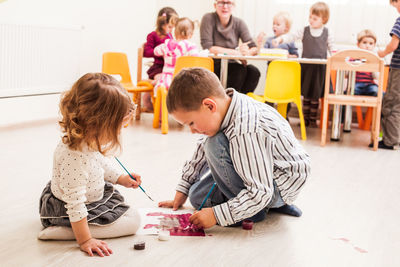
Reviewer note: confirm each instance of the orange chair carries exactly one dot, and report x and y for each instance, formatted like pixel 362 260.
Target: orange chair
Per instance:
pixel 365 123
pixel 117 63
pixel 354 60
pixel 161 98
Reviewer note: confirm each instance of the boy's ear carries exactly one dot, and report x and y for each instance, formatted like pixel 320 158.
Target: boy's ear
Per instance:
pixel 210 104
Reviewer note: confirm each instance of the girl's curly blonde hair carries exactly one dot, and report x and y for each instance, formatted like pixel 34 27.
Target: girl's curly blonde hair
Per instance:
pixel 93 111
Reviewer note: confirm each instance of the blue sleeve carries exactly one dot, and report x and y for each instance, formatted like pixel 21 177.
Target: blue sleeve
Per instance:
pixel 268 42
pixel 396 28
pixel 293 49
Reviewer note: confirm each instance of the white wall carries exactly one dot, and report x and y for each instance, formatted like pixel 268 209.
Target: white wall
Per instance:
pixel 122 25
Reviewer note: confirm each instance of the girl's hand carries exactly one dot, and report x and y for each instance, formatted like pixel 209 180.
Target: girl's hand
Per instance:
pixel 127 181
pixel 97 246
pixel 175 204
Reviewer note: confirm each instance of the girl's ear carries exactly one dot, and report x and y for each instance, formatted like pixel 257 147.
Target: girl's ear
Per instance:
pixel 210 104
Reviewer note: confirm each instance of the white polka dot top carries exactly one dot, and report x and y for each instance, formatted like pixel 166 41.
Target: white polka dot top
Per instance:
pixel 78 178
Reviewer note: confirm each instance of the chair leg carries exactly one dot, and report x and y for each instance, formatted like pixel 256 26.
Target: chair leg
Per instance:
pixel 374 128
pixel 157 105
pixel 360 117
pixel 324 123
pixel 136 100
pixel 368 119
pixel 302 124
pixel 282 108
pixel 164 111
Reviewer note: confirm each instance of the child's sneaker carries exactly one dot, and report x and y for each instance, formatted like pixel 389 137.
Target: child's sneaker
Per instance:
pixel 289 210
pixel 381 144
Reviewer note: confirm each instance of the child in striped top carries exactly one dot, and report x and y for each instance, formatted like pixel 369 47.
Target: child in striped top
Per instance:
pixel 366 81
pixel 250 150
pixel 172 49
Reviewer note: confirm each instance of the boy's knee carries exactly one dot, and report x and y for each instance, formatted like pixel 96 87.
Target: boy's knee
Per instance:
pixel 194 198
pixel 215 144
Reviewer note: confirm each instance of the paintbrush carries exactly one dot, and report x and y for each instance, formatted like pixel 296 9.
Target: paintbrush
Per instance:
pixel 207 196
pixel 133 178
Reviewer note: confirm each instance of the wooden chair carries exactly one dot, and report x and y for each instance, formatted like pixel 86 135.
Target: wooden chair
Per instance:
pixel 354 60
pixel 365 123
pixel 117 63
pixel 161 98
pixel 282 86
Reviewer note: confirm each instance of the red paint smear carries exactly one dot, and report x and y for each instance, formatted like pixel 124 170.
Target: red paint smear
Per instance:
pixel 361 250
pixel 185 227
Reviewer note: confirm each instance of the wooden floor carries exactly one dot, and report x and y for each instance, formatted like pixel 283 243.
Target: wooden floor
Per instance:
pixel 351 206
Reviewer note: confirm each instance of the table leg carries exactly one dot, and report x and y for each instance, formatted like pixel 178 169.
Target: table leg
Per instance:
pixel 337 109
pixel 224 72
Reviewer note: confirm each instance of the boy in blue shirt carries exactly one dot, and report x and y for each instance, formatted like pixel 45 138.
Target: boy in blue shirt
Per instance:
pixel 250 149
pixel 391 100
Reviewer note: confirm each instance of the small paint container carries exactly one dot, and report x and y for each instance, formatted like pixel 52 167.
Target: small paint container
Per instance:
pixel 163 235
pixel 140 245
pixel 247 224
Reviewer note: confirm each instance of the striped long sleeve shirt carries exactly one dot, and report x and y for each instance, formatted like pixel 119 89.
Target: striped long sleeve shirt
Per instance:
pixel 263 149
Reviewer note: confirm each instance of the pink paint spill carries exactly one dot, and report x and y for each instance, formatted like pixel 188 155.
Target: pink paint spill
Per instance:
pixel 361 250
pixel 177 224
pixel 147 226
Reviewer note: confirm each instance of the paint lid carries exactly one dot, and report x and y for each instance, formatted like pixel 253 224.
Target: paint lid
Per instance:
pixel 247 224
pixel 139 245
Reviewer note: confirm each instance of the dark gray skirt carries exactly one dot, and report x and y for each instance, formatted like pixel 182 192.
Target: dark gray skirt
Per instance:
pixel 313 81
pixel 105 211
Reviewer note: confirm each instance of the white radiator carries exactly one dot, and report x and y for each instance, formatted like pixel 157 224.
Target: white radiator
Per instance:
pixel 38 60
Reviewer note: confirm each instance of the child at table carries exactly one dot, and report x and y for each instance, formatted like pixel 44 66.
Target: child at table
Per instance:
pixel 317 42
pixel 281 25
pixel 172 49
pixel 81 194
pixel 391 99
pixel 166 20
pixel 250 150
pixel 366 82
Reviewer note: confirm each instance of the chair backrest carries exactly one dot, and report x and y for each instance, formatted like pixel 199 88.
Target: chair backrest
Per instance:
pixel 355 60
pixel 192 61
pixel 283 82
pixel 117 63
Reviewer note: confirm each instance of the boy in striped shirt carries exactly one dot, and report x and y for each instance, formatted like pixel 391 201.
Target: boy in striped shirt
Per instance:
pixel 391 99
pixel 250 149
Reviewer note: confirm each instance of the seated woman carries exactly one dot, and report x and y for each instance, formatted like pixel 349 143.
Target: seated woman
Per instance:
pixel 220 33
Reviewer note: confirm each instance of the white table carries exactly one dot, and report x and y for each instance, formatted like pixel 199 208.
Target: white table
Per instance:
pixel 225 59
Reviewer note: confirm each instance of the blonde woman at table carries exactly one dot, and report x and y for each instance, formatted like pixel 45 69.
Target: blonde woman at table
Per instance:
pixel 317 41
pixel 220 33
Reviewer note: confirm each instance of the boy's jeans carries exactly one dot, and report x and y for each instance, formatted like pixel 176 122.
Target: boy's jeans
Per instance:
pixel 370 89
pixel 229 183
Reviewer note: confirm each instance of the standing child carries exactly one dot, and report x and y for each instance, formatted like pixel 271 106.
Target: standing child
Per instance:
pixel 166 20
pixel 281 25
pixel 172 49
pixel 391 100
pixel 254 158
pixel 366 81
pixel 317 41
pixel 93 112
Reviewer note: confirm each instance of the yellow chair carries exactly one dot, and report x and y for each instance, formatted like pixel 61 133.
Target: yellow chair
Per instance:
pixel 282 86
pixel 161 98
pixel 117 63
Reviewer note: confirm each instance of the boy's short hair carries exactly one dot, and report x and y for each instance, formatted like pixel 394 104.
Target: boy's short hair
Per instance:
pixel 365 33
pixel 392 1
pixel 190 87
pixel 184 28
pixel 286 17
pixel 320 9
